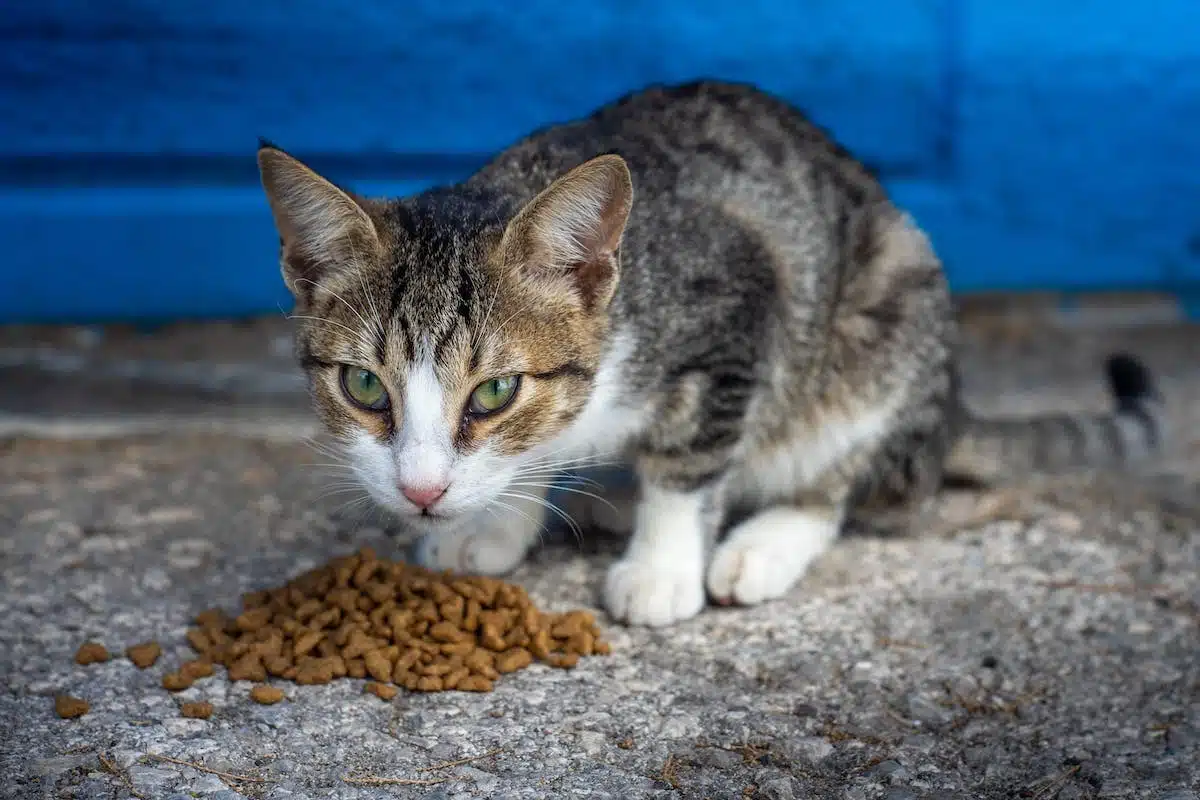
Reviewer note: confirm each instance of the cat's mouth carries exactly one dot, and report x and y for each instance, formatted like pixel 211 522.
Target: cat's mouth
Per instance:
pixel 431 519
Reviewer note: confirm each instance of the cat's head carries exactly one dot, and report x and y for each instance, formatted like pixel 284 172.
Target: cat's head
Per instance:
pixel 447 342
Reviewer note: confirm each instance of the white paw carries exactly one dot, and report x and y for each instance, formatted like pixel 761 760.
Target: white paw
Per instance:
pixel 489 546
pixel 762 558
pixel 646 593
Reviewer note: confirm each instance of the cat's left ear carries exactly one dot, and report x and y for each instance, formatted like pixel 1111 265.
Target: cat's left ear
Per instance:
pixel 569 235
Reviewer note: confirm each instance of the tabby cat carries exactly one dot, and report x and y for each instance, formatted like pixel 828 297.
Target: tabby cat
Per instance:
pixel 693 281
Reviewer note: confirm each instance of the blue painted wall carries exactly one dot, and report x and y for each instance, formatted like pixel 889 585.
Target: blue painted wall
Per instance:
pixel 1044 143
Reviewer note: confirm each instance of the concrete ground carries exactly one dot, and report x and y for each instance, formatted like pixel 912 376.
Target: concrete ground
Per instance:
pixel 1041 641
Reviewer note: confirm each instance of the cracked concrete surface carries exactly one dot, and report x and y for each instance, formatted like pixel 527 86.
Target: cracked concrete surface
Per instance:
pixel 1043 642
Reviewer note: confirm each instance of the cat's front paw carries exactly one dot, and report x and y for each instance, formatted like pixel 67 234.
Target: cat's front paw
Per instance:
pixel 655 594
pixel 765 556
pixel 493 546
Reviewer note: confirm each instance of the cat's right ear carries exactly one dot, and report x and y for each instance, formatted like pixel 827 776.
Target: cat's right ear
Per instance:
pixel 321 227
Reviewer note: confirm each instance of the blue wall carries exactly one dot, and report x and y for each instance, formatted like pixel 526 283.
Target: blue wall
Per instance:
pixel 1044 143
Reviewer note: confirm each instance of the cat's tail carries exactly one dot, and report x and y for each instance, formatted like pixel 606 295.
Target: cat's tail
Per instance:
pixel 990 450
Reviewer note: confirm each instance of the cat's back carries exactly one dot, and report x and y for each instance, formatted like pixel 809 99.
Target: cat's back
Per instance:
pixel 698 140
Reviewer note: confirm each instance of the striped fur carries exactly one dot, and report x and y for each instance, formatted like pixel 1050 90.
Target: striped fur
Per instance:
pixel 1003 449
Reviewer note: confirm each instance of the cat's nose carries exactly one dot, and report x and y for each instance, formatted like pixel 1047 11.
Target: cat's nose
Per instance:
pixel 423 496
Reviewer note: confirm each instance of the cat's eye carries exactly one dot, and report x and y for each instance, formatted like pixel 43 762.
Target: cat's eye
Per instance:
pixel 493 395
pixel 364 388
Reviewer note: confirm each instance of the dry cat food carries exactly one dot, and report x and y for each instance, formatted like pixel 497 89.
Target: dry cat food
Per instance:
pixel 144 655
pixel 364 617
pixel 69 707
pixel 199 710
pixel 267 695
pixel 384 691
pixel 91 653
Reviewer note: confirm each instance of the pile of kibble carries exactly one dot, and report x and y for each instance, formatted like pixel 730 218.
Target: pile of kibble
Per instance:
pixel 400 625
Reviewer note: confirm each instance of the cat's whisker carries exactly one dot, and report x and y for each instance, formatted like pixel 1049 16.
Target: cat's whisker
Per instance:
pixel 352 505
pixel 377 318
pixel 487 316
pixel 347 329
pixel 583 461
pixel 360 335
pixel 539 524
pixel 541 501
pixel 582 492
pixel 556 478
pixel 336 296
pixel 362 495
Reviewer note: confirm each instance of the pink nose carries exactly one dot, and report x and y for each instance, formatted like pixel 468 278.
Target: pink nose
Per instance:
pixel 423 496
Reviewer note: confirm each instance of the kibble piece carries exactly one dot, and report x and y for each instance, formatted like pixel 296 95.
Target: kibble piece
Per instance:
pixel 144 655
pixel 378 666
pixel 91 653
pixel 176 681
pixel 248 668
pixel 446 632
pixel 513 660
pixel 213 618
pixel 429 684
pixel 563 660
pixel 199 640
pixel 277 665
pixel 452 679
pixel 69 707
pixel 475 683
pixel 381 690
pixel 199 668
pixel 541 644
pixel 491 639
pixel 436 669
pixel 254 619
pixel 601 648
pixel 356 668
pixel 267 695
pixel 460 649
pixel 198 710
pixel 305 642
pixel 582 643
pixel 337 665
pixel 358 644
pixel 308 609
pixel 314 670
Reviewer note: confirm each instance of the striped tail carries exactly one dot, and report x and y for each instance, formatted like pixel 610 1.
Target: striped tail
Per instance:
pixel 991 450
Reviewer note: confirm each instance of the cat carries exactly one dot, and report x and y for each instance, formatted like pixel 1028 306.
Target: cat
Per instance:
pixel 695 281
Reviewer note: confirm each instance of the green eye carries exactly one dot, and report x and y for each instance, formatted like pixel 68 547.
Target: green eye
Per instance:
pixel 491 396
pixel 364 388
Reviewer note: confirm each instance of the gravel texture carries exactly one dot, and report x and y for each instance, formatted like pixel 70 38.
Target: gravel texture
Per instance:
pixel 1041 641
